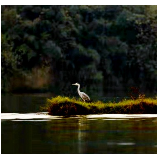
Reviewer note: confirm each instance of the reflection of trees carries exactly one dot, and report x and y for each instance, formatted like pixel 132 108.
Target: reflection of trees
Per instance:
pixel 22 103
pixel 79 135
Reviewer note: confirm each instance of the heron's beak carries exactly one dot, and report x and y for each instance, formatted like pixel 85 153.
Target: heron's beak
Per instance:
pixel 73 84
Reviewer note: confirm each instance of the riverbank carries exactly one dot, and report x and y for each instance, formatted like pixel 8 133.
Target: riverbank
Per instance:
pixel 71 106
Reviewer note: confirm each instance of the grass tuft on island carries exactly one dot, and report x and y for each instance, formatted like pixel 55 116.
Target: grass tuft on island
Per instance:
pixel 66 106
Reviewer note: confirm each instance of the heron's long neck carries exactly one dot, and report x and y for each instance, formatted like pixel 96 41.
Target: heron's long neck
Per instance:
pixel 78 88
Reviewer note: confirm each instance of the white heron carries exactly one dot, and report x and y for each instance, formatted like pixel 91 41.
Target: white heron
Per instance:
pixel 84 96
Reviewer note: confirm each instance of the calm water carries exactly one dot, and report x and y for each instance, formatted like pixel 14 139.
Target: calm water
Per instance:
pixel 38 133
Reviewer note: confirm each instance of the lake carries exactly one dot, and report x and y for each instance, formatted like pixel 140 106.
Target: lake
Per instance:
pixel 26 130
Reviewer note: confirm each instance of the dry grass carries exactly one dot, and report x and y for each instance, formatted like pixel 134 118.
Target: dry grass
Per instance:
pixel 71 106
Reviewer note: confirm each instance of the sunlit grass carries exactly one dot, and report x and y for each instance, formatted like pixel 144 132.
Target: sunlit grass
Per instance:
pixel 72 106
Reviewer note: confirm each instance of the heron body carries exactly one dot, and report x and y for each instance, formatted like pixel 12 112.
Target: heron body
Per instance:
pixel 84 96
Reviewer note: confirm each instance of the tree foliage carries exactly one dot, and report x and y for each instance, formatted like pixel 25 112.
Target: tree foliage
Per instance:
pixel 114 45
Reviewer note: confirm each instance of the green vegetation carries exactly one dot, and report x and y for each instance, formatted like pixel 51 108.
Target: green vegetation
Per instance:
pixel 108 47
pixel 70 106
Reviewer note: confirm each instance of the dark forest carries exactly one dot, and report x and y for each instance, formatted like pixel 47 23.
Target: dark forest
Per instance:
pixel 107 49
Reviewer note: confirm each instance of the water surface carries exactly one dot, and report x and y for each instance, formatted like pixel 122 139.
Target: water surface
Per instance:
pixel 34 132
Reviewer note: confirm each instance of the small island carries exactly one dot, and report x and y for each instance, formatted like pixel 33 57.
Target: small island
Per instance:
pixel 66 106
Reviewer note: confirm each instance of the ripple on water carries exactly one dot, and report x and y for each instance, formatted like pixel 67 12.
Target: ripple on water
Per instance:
pixel 121 143
pixel 31 120
pixel 44 115
pixel 115 119
pixel 122 116
pixel 28 116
